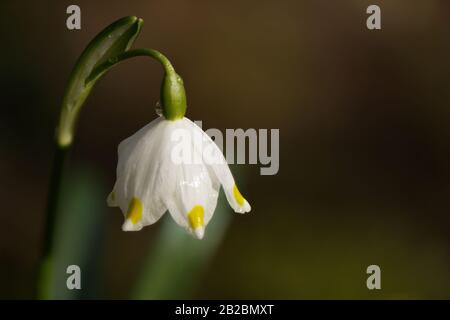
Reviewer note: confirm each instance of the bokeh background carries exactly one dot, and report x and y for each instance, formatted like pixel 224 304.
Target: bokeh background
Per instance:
pixel 364 119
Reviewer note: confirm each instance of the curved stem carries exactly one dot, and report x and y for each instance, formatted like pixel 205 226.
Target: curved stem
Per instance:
pixel 44 277
pixel 173 95
pixel 105 66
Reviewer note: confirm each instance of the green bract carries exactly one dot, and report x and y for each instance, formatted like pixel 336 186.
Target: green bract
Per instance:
pixel 113 40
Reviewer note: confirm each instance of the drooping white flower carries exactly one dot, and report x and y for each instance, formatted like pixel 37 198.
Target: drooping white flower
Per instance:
pixel 172 165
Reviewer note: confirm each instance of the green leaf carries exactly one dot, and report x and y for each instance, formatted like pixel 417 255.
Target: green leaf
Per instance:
pixel 79 234
pixel 108 44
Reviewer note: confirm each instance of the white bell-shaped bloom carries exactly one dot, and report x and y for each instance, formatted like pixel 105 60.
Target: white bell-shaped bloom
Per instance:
pixel 172 165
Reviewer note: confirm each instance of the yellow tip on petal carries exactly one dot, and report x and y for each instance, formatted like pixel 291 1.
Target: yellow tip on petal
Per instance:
pixel 196 217
pixel 238 196
pixel 134 210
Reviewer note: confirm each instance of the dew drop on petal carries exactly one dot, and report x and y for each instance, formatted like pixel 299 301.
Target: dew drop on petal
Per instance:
pixel 158 109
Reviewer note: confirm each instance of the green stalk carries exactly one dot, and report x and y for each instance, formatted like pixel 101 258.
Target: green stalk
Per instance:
pixel 45 269
pixel 173 95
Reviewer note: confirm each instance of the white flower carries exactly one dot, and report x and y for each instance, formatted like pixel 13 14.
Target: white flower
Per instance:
pixel 150 180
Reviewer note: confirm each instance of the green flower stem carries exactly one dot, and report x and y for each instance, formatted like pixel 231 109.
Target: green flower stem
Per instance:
pixel 105 66
pixel 173 95
pixel 44 277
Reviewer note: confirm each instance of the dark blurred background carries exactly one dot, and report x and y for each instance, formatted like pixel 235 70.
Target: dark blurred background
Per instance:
pixel 364 119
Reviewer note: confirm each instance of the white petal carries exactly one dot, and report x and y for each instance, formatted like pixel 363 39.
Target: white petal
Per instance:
pixel 138 176
pixel 194 195
pixel 217 164
pixel 129 145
